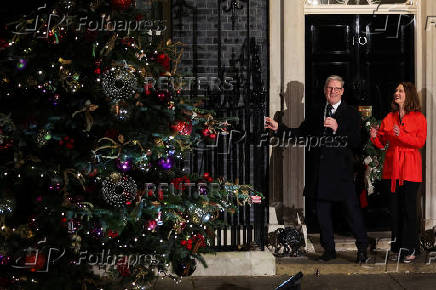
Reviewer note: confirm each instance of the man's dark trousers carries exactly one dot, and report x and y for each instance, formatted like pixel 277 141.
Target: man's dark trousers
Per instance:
pixel 354 219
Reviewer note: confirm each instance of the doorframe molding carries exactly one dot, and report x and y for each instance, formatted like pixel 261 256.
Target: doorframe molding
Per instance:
pixel 362 9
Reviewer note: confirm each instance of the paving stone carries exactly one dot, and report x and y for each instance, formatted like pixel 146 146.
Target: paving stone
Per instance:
pixel 308 282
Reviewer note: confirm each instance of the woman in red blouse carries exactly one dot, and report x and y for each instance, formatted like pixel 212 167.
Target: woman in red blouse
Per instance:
pixel 404 130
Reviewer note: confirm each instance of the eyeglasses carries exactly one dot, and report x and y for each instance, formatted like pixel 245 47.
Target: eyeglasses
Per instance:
pixel 333 89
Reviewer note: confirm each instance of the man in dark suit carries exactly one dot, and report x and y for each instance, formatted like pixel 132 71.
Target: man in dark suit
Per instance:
pixel 332 131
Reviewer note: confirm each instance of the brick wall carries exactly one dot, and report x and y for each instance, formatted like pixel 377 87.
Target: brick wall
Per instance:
pixel 200 33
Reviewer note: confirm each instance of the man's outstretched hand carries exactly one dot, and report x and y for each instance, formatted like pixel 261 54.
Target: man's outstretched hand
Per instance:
pixel 271 124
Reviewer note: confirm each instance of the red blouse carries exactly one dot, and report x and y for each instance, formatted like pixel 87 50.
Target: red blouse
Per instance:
pixel 403 160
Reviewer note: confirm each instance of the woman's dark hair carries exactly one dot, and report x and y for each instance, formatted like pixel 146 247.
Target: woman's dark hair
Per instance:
pixel 411 103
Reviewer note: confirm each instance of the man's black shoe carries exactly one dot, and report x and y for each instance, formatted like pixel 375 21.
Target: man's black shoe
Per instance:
pixel 327 256
pixel 361 257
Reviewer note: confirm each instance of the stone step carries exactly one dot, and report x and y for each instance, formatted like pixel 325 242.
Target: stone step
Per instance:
pixel 377 240
pixel 345 264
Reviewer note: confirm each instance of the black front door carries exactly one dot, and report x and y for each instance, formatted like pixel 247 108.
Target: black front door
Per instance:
pixel 373 53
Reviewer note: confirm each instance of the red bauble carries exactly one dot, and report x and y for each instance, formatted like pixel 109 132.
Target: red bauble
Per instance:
pixel 212 136
pixel 199 238
pixel 183 128
pixel 122 4
pixel 160 195
pixel 148 87
pixel 151 225
pixel 187 243
pixel 97 69
pixel 206 132
pixel 35 262
pixel 112 234
pixel 207 177
pixel 93 173
pixel 164 61
pixel 180 182
pixel 67 142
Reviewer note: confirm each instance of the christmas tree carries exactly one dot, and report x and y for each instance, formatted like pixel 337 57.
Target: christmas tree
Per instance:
pixel 95 125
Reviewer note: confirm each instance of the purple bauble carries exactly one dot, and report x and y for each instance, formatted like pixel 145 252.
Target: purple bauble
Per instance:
pixel 166 163
pixel 203 190
pixel 124 164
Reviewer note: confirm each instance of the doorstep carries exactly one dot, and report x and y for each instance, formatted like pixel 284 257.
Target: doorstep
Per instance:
pixel 377 240
pixel 345 264
pixel 346 256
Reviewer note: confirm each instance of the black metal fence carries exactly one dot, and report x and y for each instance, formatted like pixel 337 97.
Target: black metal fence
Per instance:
pixel 240 156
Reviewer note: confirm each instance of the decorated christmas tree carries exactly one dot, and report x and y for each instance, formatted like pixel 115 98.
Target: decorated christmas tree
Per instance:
pixel 95 128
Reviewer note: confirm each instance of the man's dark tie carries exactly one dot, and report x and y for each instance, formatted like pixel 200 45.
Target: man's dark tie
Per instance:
pixel 328 113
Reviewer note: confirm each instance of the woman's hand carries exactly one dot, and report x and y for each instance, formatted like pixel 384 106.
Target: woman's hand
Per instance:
pixel 373 132
pixel 271 124
pixel 396 130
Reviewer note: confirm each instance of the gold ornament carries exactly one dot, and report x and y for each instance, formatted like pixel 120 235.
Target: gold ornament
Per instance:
pixel 115 176
pixel 195 219
pixel 116 146
pixel 76 243
pixel 87 109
